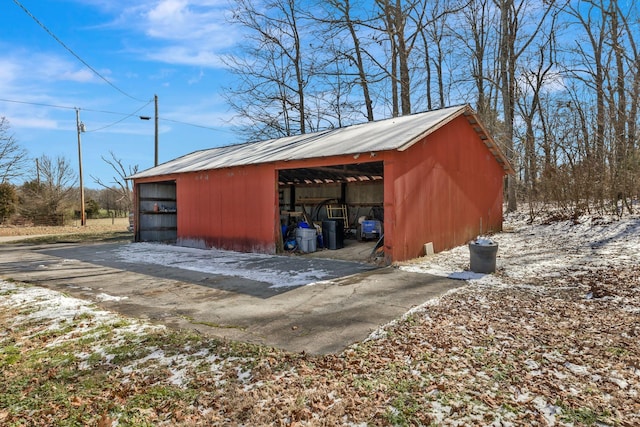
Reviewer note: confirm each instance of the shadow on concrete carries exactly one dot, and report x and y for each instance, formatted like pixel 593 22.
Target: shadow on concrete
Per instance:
pixel 325 317
pixel 107 255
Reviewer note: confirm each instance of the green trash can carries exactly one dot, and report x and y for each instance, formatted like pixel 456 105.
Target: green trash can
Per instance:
pixel 483 253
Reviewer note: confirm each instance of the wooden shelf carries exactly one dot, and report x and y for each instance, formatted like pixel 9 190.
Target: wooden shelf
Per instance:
pixel 159 212
pixel 156 199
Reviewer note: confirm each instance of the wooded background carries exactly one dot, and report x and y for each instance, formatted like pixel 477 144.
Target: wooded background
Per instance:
pixel 556 82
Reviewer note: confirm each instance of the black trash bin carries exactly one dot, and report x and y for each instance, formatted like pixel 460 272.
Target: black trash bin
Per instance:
pixel 333 233
pixel 483 256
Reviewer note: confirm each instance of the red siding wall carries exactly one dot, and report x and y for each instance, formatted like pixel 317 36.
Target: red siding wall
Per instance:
pixel 446 189
pixel 441 190
pixel 234 209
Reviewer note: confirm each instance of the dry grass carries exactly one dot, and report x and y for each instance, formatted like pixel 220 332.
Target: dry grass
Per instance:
pixel 93 226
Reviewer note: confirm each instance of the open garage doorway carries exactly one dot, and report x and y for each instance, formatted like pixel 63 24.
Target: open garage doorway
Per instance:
pixel 157 213
pixel 342 206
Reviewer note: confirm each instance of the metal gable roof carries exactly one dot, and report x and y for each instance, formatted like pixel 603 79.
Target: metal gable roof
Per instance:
pixel 397 133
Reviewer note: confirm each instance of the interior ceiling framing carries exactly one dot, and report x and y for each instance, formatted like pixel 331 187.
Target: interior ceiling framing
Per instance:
pixel 361 172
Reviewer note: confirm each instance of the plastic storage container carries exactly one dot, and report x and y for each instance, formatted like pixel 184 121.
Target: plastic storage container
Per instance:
pixel 306 238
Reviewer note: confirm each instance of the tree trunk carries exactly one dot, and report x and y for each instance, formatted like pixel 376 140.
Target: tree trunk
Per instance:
pixel 507 83
pixel 362 74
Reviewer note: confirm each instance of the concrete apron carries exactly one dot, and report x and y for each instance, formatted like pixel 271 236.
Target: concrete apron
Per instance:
pixel 322 318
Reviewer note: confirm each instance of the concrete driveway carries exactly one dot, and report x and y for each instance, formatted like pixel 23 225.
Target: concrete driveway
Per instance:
pixel 344 304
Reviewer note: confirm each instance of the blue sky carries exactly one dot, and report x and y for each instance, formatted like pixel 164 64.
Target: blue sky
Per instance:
pixel 171 48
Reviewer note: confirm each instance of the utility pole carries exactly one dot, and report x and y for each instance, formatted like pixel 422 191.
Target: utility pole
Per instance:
pixel 155 140
pixel 80 128
pixel 155 100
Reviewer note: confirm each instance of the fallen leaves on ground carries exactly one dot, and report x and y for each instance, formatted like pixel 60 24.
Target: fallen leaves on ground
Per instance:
pixel 560 350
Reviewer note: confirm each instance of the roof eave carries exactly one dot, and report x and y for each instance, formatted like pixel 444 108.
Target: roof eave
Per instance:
pixel 477 126
pixel 488 141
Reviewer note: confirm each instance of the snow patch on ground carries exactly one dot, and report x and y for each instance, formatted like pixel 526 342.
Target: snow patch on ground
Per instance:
pixel 41 304
pixel 527 254
pixel 220 262
pixel 106 297
pixel 54 311
pixel 543 250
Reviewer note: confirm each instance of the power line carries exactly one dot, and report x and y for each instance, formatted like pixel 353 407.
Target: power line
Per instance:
pixel 126 115
pixel 73 53
pixel 37 103
pixel 121 120
pixel 65 107
pixel 197 126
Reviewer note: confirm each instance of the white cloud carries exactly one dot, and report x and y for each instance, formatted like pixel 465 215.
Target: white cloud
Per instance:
pixel 34 123
pixel 81 76
pixel 185 32
pixel 168 19
pixel 180 32
pixel 53 68
pixel 20 68
pixel 186 56
pixel 8 71
pixel 31 81
pixel 553 82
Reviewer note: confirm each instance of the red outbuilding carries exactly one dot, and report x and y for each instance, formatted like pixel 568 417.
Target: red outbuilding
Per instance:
pixel 432 179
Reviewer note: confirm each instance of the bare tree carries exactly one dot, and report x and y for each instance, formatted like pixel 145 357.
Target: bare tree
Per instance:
pixel 403 24
pixel 272 71
pixel 339 18
pixel 534 79
pixel 394 18
pixel 605 63
pixel 590 69
pixel 50 194
pixel 623 106
pixel 513 43
pixel 475 28
pixel 119 184
pixel 432 19
pixel 13 158
pixel 433 39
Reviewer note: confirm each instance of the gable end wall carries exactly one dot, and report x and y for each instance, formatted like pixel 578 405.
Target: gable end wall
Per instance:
pixel 445 189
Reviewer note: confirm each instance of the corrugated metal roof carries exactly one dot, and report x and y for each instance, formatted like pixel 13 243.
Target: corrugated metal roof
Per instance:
pixel 397 133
